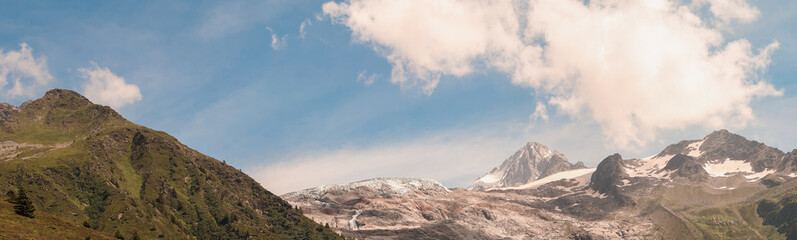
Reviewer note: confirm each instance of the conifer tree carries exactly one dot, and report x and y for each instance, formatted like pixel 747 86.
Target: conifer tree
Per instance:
pixel 22 204
pixel 12 196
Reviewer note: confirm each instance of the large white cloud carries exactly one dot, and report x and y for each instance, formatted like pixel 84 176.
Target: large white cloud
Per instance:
pixel 105 87
pixel 23 71
pixel 634 67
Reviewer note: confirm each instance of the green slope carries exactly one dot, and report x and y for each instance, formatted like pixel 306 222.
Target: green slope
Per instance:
pixel 84 162
pixel 44 226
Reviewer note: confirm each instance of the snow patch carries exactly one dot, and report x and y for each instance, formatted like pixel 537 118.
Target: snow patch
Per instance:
pixel 725 188
pixel 595 194
pixel 626 182
pixel 758 175
pixel 353 221
pixel 648 167
pixel 694 149
pixel 727 167
pixel 792 175
pixel 555 177
pixel 490 178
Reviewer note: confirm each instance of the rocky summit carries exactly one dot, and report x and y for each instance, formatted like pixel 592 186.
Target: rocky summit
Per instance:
pixel 532 162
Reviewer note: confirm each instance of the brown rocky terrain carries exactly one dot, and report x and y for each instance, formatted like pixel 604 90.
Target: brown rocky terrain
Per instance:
pixel 720 187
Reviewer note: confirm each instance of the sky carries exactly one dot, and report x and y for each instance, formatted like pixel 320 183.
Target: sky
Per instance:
pixel 305 93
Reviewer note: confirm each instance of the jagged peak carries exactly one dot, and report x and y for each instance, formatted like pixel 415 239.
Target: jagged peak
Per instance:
pixel 533 144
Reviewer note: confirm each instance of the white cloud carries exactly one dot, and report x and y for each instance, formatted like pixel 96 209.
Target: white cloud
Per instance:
pixel 302 26
pixel 540 112
pixel 453 158
pixel 727 11
pixel 23 71
pixel 277 43
pixel 105 87
pixel 634 67
pixel 366 79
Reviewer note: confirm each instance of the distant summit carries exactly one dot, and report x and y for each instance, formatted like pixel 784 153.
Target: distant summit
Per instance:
pixel 533 161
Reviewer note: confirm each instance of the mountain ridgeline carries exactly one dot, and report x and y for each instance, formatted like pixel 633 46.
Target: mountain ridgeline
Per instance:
pixel 84 163
pixel 722 186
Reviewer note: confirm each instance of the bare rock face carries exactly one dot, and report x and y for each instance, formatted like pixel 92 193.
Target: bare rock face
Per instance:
pixel 7 111
pixel 608 178
pixel 687 167
pixel 533 161
pixel 789 162
pixel 367 210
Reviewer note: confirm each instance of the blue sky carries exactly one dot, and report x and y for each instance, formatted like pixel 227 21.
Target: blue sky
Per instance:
pixel 208 73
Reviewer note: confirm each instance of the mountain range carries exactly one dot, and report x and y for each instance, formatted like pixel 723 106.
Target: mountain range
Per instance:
pixel 722 186
pixel 92 173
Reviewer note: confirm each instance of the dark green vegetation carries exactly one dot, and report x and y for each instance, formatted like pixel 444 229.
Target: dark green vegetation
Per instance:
pixel 86 164
pixel 780 211
pixel 22 204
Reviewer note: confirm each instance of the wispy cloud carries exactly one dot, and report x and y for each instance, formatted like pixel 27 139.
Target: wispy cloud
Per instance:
pixel 277 42
pixel 367 79
pixel 230 17
pixel 637 68
pixel 23 71
pixel 105 87
pixel 540 112
pixel 302 26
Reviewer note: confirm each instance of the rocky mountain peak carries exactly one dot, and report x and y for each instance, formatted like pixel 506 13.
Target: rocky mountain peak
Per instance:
pixel 531 162
pixel 608 177
pixel 60 99
pixel 722 145
pixel 7 111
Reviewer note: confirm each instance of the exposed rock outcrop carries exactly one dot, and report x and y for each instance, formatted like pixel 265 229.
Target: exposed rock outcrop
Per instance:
pixel 608 177
pixel 686 167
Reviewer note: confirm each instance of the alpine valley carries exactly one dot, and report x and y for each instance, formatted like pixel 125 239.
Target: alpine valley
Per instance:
pixel 722 186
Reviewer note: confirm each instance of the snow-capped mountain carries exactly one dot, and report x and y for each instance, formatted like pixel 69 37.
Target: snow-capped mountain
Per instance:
pixel 717 187
pixel 719 154
pixel 532 162
pixel 377 185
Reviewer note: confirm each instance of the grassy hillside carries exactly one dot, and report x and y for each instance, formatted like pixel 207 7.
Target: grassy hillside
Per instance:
pixel 84 162
pixel 43 226
pixel 699 212
pixel 779 210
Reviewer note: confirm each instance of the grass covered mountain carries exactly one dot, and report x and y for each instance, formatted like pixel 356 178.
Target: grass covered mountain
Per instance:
pixel 82 162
